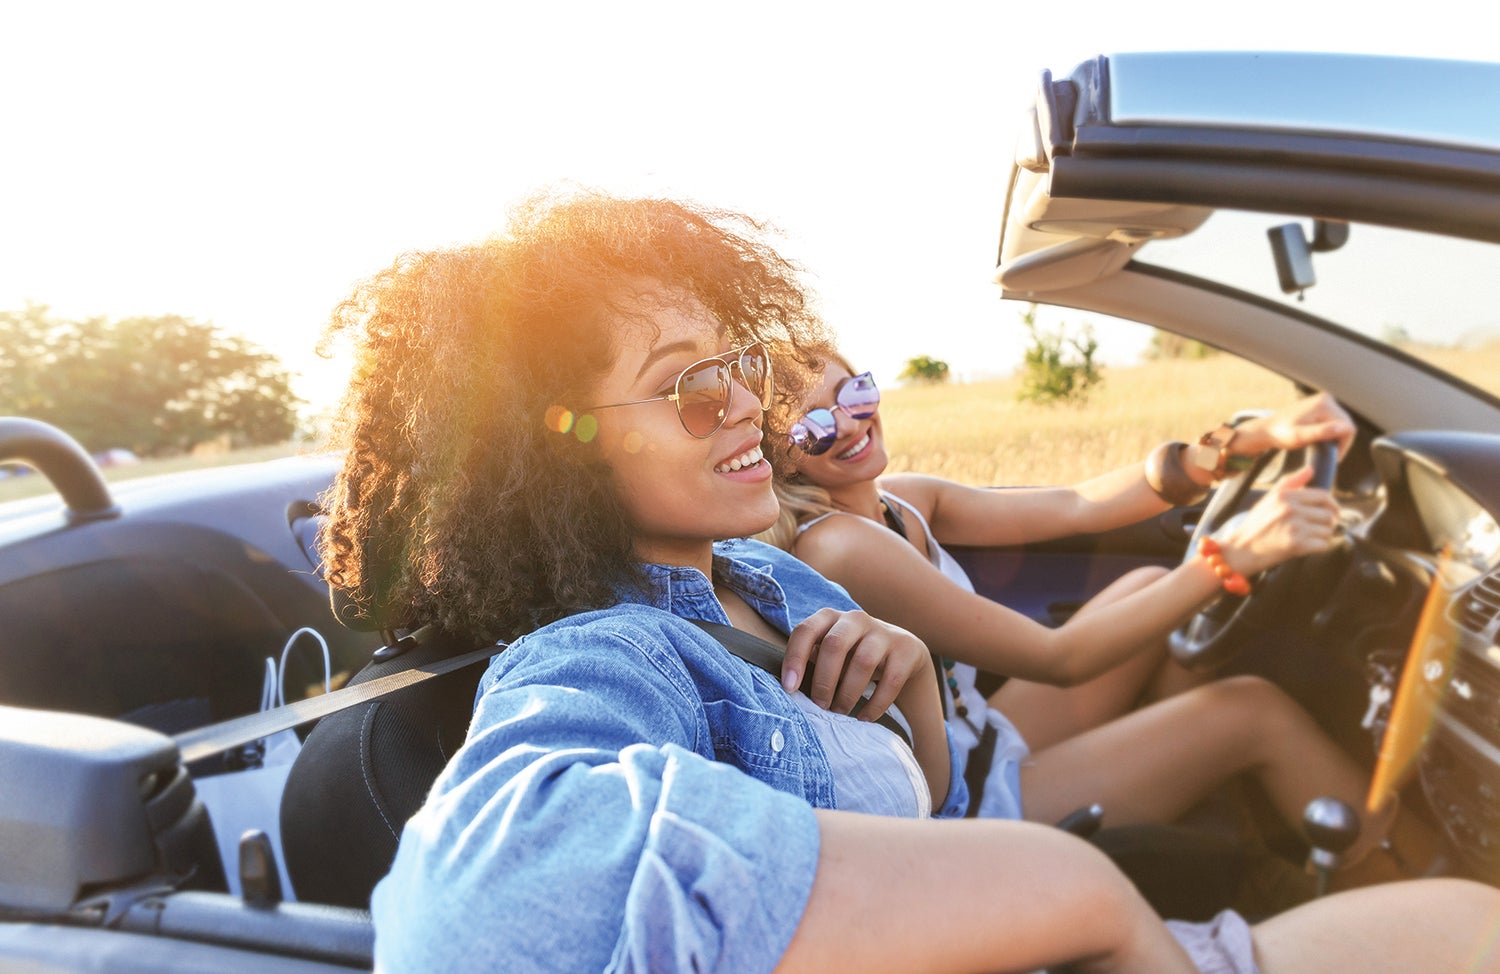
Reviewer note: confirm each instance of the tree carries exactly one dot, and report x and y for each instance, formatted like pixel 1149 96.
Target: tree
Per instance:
pixel 1057 367
pixel 154 385
pixel 924 369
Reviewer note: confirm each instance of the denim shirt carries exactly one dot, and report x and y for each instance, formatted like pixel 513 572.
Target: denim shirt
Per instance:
pixel 631 797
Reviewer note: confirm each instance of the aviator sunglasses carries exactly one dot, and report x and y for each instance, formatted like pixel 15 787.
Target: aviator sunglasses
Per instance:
pixel 703 389
pixel 815 432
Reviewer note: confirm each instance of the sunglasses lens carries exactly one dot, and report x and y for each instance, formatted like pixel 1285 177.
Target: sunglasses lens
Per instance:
pixel 755 366
pixel 703 397
pixel 815 432
pixel 859 396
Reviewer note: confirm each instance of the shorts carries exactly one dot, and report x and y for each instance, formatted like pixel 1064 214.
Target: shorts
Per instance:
pixel 1221 946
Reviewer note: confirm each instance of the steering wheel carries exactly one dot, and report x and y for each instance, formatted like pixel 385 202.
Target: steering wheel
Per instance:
pixel 1212 637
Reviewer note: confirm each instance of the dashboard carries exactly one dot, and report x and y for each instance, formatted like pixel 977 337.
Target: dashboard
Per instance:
pixel 1439 520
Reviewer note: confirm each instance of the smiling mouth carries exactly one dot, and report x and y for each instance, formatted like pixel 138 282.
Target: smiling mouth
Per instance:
pixel 747 459
pixel 864 441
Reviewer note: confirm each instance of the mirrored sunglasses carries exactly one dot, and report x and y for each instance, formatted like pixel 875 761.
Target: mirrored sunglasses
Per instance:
pixel 702 391
pixel 857 397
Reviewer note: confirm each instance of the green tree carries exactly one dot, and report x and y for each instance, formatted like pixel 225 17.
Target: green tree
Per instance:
pixel 155 385
pixel 1057 367
pixel 923 368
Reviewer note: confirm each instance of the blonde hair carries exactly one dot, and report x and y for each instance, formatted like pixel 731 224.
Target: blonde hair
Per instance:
pixel 800 499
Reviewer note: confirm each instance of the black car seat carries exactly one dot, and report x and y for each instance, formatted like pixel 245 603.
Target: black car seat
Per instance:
pixel 363 771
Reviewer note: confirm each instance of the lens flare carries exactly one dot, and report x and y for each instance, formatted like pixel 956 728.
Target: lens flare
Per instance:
pixel 1429 665
pixel 586 428
pixel 633 442
pixel 559 419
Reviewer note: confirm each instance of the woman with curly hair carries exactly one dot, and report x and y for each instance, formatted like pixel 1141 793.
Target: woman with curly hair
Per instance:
pixel 547 434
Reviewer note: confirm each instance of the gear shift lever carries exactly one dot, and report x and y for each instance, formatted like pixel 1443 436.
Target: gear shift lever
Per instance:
pixel 1330 827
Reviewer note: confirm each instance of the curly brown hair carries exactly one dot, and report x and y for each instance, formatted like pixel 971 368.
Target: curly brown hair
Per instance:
pixel 468 498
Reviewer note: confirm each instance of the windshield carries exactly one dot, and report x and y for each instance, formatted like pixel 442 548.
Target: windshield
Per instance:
pixel 1435 297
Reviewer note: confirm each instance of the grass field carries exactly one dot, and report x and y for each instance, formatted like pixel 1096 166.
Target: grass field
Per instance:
pixel 978 433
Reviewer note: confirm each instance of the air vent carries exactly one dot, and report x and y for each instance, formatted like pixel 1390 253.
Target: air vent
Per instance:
pixel 1476 609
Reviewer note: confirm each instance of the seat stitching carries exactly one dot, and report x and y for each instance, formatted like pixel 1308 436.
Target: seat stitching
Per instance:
pixel 364 770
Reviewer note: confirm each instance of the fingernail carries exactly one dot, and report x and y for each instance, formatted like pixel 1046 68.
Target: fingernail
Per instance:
pixel 789 680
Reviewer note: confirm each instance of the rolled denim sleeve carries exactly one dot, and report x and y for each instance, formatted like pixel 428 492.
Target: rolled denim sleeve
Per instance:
pixel 584 825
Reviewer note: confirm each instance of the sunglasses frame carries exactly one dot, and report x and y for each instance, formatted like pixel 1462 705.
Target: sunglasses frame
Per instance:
pixel 799 434
pixel 730 362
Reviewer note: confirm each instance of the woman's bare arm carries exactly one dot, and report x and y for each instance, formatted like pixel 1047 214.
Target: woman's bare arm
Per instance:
pixel 902 895
pixel 892 581
pixel 961 514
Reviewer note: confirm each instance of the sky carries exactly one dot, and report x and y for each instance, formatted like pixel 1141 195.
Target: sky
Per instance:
pixel 245 164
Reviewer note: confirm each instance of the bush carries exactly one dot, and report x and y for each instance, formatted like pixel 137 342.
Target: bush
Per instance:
pixel 924 369
pixel 1058 367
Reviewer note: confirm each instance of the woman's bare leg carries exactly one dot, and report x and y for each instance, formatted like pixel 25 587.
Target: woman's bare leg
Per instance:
pixel 1436 926
pixel 1046 714
pixel 1154 764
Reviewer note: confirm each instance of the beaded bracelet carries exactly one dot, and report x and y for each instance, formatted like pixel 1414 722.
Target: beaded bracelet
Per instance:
pixel 1234 583
pixel 1167 477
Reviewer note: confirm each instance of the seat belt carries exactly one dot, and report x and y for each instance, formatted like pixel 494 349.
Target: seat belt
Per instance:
pixel 203 742
pixel 207 741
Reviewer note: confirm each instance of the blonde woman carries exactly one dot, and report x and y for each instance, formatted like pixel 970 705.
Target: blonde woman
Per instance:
pixel 1067 728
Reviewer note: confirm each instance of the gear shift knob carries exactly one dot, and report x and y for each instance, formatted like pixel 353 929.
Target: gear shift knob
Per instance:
pixel 1330 827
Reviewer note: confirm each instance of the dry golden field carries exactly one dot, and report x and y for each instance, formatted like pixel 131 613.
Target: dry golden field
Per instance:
pixel 979 434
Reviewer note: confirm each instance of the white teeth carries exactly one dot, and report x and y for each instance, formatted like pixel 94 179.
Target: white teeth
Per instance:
pixel 864 441
pixel 747 459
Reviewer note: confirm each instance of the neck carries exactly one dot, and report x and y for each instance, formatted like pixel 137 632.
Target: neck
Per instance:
pixel 862 499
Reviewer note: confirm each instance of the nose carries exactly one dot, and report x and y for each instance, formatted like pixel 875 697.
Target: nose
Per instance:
pixel 742 402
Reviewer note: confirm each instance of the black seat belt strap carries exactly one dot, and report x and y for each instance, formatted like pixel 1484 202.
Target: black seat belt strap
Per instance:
pixel 204 742
pixel 194 745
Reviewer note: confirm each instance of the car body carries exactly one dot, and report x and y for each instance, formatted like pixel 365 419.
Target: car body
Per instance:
pixel 159 601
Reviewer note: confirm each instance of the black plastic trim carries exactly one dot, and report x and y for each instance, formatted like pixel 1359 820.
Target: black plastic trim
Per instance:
pixel 1278 186
pixel 1335 152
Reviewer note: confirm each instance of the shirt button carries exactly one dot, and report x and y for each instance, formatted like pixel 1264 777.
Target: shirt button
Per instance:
pixel 777 741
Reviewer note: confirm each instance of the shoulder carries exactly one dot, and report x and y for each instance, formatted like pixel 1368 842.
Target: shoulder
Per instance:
pixel 921 491
pixel 624 635
pixel 836 543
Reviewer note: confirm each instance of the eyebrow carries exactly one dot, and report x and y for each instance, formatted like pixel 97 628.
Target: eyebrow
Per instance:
pixel 662 351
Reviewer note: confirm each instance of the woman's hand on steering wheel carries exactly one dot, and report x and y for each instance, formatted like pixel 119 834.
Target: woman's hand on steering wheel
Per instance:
pixel 1289 520
pixel 1313 419
pixel 1297 516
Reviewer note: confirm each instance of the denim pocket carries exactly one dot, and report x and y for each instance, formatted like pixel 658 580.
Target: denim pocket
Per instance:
pixel 765 745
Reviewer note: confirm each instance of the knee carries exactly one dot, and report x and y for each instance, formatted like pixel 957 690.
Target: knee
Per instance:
pixel 1252 700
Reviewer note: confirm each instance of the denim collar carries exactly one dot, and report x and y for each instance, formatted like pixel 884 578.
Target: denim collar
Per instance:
pixel 686 593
